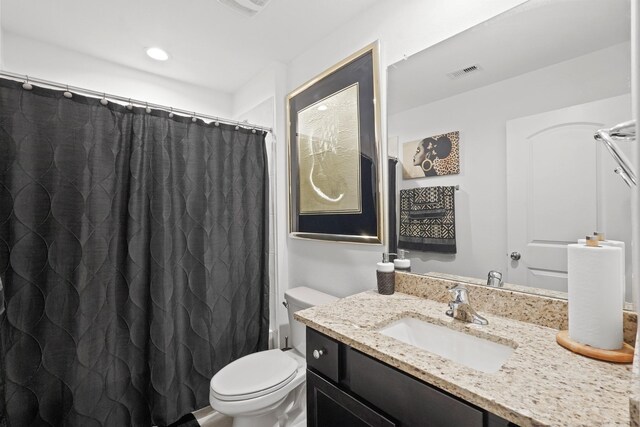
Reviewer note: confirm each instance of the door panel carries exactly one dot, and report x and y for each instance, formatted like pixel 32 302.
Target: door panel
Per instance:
pixel 561 187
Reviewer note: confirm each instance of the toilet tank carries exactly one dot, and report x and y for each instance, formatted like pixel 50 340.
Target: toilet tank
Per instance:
pixel 298 299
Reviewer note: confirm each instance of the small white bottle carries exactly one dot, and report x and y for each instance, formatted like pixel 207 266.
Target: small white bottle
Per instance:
pixel 385 276
pixel 401 263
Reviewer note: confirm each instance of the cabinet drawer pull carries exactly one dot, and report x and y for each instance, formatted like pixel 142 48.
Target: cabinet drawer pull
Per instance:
pixel 317 354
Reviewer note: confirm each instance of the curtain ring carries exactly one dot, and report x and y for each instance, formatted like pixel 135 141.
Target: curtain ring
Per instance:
pixel 104 101
pixel 193 118
pixel 129 105
pixel 171 112
pixel 216 123
pixel 253 131
pixel 67 93
pixel 26 85
pixel 147 109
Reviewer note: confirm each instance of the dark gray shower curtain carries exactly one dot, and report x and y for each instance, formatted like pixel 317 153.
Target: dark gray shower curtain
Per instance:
pixel 134 258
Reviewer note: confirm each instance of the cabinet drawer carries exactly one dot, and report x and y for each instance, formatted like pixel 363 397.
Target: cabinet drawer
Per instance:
pixel 411 401
pixel 327 362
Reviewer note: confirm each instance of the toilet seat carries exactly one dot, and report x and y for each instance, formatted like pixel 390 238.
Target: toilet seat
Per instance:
pixel 255 375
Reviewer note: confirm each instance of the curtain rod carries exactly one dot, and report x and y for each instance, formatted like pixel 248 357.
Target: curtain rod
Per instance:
pixel 81 91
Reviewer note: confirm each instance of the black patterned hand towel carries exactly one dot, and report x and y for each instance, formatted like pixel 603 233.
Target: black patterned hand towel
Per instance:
pixel 428 219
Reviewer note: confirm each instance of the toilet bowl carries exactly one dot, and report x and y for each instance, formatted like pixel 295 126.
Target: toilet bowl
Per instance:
pixel 263 389
pixel 267 388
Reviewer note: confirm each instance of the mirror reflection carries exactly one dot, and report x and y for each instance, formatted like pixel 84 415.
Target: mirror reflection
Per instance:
pixel 525 92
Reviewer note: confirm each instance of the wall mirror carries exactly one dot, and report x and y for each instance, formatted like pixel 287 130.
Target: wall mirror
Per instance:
pixel 526 91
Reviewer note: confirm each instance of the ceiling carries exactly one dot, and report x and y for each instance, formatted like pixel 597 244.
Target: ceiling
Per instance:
pixel 534 35
pixel 210 44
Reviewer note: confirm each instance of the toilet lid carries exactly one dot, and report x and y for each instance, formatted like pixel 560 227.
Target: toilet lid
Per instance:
pixel 254 375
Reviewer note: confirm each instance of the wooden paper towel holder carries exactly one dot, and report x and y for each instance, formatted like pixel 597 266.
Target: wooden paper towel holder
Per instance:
pixel 623 355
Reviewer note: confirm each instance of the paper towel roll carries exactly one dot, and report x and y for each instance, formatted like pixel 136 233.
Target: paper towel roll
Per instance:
pixel 596 293
pixel 623 267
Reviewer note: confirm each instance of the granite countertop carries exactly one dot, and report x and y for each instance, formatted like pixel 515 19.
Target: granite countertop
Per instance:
pixel 540 384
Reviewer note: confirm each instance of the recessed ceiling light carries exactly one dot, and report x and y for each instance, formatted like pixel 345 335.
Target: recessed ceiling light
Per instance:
pixel 322 107
pixel 157 54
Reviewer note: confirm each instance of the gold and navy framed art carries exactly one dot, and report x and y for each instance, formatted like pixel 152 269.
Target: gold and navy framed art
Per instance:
pixel 335 172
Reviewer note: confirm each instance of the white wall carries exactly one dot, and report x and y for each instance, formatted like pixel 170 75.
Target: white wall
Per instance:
pixel 260 88
pixel 269 88
pixel 635 194
pixel 480 116
pixel 403 28
pixel 25 56
pixel 1 40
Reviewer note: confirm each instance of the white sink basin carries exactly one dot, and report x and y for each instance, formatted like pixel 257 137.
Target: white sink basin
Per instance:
pixel 468 350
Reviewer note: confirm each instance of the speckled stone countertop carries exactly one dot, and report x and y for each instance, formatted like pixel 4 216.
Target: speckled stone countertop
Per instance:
pixel 540 384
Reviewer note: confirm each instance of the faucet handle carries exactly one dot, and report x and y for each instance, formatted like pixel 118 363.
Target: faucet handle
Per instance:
pixel 494 278
pixel 459 307
pixel 459 294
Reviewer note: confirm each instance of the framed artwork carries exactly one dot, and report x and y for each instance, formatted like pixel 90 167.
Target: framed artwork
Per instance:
pixel 334 153
pixel 432 156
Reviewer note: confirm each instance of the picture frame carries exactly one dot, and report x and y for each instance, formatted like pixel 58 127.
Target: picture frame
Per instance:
pixel 334 167
pixel 435 155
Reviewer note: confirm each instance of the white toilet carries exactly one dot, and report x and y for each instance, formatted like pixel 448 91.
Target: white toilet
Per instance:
pixel 267 389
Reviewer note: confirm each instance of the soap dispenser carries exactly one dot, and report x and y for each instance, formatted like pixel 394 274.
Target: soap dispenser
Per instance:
pixel 401 263
pixel 386 276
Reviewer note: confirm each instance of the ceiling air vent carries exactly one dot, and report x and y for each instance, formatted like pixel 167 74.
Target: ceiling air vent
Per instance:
pixel 464 71
pixel 246 7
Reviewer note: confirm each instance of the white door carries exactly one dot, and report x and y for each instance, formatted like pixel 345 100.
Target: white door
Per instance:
pixel 561 187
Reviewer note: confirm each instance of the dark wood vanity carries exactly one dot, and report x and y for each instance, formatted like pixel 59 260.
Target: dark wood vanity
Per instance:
pixel 348 388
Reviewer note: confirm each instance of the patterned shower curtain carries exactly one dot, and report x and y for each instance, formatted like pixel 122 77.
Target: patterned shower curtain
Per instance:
pixel 134 259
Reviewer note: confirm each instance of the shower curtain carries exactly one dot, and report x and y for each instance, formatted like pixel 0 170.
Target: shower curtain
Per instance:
pixel 134 259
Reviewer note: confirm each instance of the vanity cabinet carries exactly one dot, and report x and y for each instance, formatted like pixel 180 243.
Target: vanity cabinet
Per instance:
pixel 348 388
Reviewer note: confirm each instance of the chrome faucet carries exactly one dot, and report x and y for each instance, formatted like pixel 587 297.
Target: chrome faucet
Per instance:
pixel 460 308
pixel 494 279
